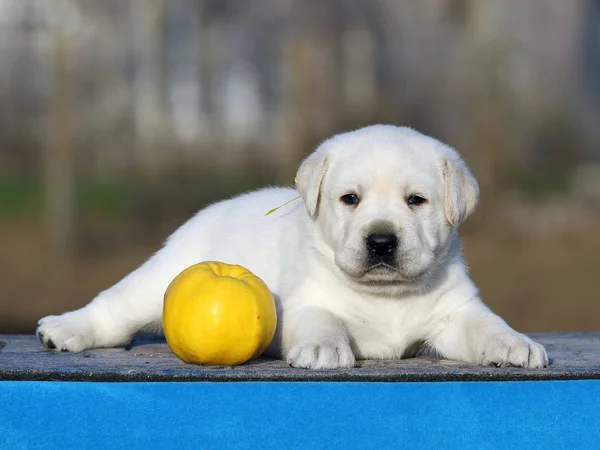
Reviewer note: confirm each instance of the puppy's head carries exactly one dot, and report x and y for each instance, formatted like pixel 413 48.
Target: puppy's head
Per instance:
pixel 387 201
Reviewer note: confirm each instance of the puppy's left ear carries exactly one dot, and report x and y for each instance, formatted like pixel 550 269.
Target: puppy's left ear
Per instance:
pixel 309 179
pixel 462 191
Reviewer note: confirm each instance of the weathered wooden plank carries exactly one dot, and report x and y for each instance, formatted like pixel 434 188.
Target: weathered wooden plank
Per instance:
pixel 572 356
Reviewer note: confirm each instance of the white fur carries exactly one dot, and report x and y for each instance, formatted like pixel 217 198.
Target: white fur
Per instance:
pixel 334 306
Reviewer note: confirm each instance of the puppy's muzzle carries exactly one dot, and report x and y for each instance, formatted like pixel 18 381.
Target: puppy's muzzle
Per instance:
pixel 382 247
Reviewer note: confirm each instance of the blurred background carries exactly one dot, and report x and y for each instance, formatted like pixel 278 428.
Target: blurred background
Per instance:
pixel 121 118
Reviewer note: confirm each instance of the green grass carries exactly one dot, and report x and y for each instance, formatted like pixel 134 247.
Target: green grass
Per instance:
pixel 24 198
pixel 539 186
pixel 106 197
pixel 19 198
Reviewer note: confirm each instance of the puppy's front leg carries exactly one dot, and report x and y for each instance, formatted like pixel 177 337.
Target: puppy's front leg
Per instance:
pixel 474 334
pixel 316 339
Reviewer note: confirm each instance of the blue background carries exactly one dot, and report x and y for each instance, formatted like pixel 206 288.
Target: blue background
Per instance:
pixel 263 415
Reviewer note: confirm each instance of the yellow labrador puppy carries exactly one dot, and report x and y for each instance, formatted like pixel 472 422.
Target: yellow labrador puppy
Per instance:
pixel 367 265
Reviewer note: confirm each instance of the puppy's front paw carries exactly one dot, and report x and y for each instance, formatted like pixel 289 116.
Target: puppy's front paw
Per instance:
pixel 68 332
pixel 513 349
pixel 323 355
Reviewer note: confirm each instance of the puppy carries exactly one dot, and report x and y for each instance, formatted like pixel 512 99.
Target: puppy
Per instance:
pixel 367 265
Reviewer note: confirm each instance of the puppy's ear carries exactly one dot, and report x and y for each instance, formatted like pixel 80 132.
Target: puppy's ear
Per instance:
pixel 462 191
pixel 309 179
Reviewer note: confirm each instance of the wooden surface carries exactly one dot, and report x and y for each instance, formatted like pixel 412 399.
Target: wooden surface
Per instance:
pixel 572 356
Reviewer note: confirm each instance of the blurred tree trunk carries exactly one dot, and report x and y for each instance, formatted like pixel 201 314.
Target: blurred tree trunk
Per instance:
pixel 60 150
pixel 359 83
pixel 299 103
pixel 150 83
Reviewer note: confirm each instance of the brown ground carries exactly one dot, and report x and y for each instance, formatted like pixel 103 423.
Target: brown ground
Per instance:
pixel 536 283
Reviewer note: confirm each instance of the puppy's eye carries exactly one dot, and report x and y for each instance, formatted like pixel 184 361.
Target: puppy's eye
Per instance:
pixel 350 199
pixel 415 200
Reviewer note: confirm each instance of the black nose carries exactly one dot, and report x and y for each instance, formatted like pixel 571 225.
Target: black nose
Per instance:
pixel 382 244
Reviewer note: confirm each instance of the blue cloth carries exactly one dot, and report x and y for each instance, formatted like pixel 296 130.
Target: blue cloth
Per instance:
pixel 285 415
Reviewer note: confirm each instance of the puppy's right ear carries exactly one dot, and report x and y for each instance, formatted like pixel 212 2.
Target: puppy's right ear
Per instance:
pixel 309 179
pixel 462 191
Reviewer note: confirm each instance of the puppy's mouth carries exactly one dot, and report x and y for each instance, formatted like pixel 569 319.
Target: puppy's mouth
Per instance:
pixel 382 272
pixel 381 267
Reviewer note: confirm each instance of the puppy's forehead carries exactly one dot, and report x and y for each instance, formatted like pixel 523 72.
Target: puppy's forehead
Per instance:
pixel 405 157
